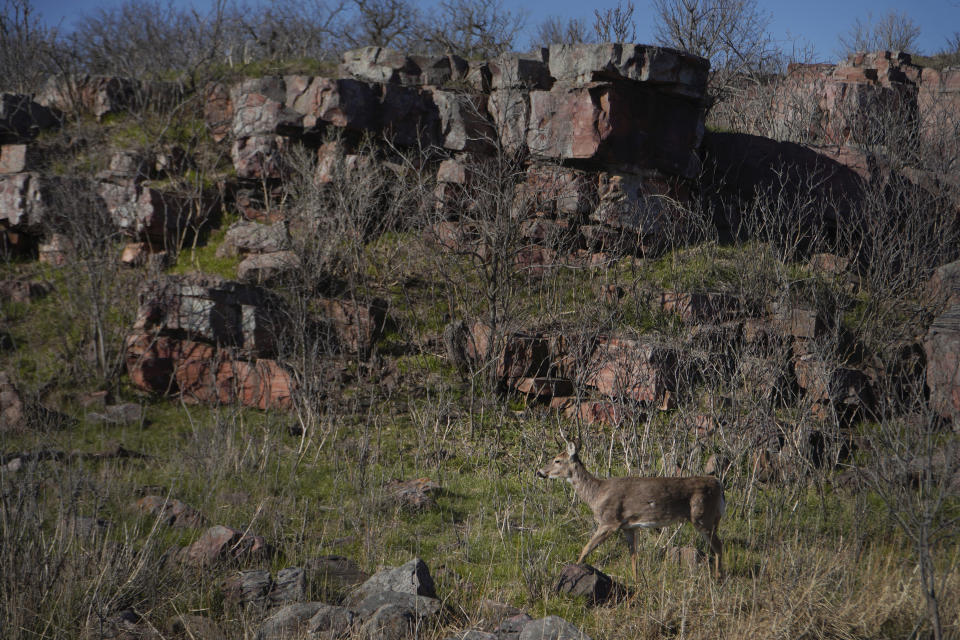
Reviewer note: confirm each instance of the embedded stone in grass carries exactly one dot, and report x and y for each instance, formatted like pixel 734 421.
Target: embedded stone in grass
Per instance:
pixel 585 581
pixel 412 577
pixel 289 621
pixel 171 511
pixel 389 622
pixel 246 587
pixel 290 586
pixel 551 628
pixel 420 606
pixel 220 543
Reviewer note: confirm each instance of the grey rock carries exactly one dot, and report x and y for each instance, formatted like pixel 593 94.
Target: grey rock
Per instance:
pixel 420 606
pixel 331 622
pixel 266 268
pixel 289 621
pixel 251 586
pixel 510 628
pixel 389 622
pixel 412 577
pixel 290 586
pixel 551 628
pixel 584 581
pixel 126 413
pixel 245 237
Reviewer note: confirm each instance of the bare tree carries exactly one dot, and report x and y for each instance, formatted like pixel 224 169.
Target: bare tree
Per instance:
pixel 615 24
pixel 894 31
pixel 382 23
pixel 24 44
pixel 554 30
pixel 473 28
pixel 731 34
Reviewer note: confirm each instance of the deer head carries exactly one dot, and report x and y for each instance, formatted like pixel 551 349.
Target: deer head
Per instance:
pixel 562 465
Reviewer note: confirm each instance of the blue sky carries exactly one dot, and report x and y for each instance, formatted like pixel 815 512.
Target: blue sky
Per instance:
pixel 817 22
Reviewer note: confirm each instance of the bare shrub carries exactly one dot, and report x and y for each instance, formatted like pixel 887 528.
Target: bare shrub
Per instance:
pixel 893 31
pixel 474 29
pixel 25 47
pixel 554 30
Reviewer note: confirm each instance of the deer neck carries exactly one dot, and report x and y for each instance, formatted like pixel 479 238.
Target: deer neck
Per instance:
pixel 584 483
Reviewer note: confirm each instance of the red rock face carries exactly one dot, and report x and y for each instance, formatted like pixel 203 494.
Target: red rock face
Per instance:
pixel 632 369
pixel 199 338
pixel 618 124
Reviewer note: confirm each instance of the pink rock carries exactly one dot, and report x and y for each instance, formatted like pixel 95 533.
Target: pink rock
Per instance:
pixel 620 124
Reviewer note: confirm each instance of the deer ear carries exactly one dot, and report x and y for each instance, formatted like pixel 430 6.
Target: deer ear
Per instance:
pixel 571 449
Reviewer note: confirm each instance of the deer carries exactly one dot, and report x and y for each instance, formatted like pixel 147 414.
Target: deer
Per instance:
pixel 630 503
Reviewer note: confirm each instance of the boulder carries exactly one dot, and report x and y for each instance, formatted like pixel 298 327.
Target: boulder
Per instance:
pixel 290 586
pixel 944 285
pixel 584 581
pixel 245 237
pixel 158 217
pixel 171 512
pixel 330 623
pixel 412 578
pixel 672 71
pixel 334 575
pixel 558 191
pixel 389 622
pixel 551 628
pixel 632 369
pixel 290 621
pixel 942 348
pixel 266 268
pixel 57 249
pixel 345 103
pixel 700 307
pixel 419 606
pixel 380 65
pixel 221 543
pixel 198 336
pixel 624 125
pixel 251 586
pixel 259 108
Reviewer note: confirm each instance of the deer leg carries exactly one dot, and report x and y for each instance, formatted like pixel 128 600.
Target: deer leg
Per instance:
pixel 602 533
pixel 716 547
pixel 630 537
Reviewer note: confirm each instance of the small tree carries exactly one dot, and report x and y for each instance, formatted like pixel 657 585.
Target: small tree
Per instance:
pixel 894 31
